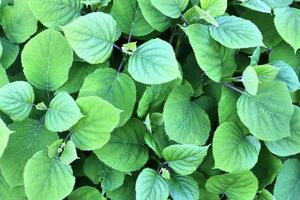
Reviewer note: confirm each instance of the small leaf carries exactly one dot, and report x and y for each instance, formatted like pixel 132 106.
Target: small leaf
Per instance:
pixel 216 7
pixel 278 3
pixel 170 8
pixel 69 153
pixel 196 14
pixel 85 193
pixel 257 5
pixel 151 186
pixel 266 73
pixel 250 80
pixel 16 100
pixel 63 113
pixel 183 188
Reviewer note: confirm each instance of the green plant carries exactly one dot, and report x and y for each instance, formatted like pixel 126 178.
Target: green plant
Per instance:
pixel 149 99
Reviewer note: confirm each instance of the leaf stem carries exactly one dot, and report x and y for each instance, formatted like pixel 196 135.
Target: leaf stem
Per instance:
pixel 233 88
pixel 118 48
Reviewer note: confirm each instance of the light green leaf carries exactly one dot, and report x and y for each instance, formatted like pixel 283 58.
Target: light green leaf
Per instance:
pixel 264 195
pixel 85 193
pixel 154 62
pixel 18 22
pixel 288 31
pixel 47 178
pixel 257 5
pixel 289 145
pixel 288 75
pixel 278 3
pixel 185 121
pixel 170 8
pixel 215 60
pixel 130 18
pixel 254 58
pixel 4 188
pixel 100 119
pixel 154 17
pixel 232 150
pixel 151 186
pixel 93 43
pixel 183 188
pixel 266 73
pixel 63 113
pixel 69 153
pixel 196 14
pixel 268 114
pixel 16 100
pixel 3 77
pixel 29 137
pixel 113 87
pixel 128 147
pixel 184 159
pixel 4 136
pixel 9 54
pixel 236 33
pixel 46 60
pixel 216 7
pixel 250 80
pixel 54 13
pixel 55 148
pixel 237 186
pixel 287 183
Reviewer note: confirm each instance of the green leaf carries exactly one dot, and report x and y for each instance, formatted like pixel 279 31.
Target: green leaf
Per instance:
pixel 215 60
pixel 54 13
pixel 85 193
pixel 278 3
pixel 268 114
pixel 128 146
pixel 55 148
pixel 29 137
pixel 287 183
pixel 250 80
pixel 100 119
pixel 236 33
pixel 237 186
pixel 184 159
pixel 4 188
pixel 63 113
pixel 170 8
pixel 18 22
pixel 185 121
pixel 232 150
pixel 46 60
pixel 69 153
pixel 265 195
pixel 125 192
pixel 16 100
pixel 3 77
pixel 257 5
pixel 129 17
pixel 4 136
pixel 183 188
pixel 154 17
pixel 47 178
pixel 116 87
pixel 289 145
pixel 9 54
pixel 97 172
pixel 254 58
pixel 266 73
pixel 216 7
pixel 288 31
pixel 196 14
pixel 154 62
pixel 151 186
pixel 288 75
pixel 93 43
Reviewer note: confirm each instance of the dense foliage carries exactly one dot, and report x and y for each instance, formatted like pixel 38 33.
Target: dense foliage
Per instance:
pixel 149 99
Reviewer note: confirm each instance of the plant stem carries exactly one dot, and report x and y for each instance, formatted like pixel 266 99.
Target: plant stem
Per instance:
pixel 233 88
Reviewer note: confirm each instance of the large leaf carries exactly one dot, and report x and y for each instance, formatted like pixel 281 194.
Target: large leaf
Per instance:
pixel 93 43
pixel 289 145
pixel 63 113
pixel 288 31
pixel 170 8
pixel 113 87
pixel 151 186
pixel 215 7
pixel 287 185
pixel 46 60
pixel 100 119
pixel 232 150
pixel 4 136
pixel 183 188
pixel 257 5
pixel 154 62
pixel 184 159
pixel 215 60
pixel 29 137
pixel 54 13
pixel 18 22
pixel 185 121
pixel 47 178
pixel 128 147
pixel 85 193
pixel 153 16
pixel 268 114
pixel 130 18
pixel 278 3
pixel 237 186
pixel 16 100
pixel 236 33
